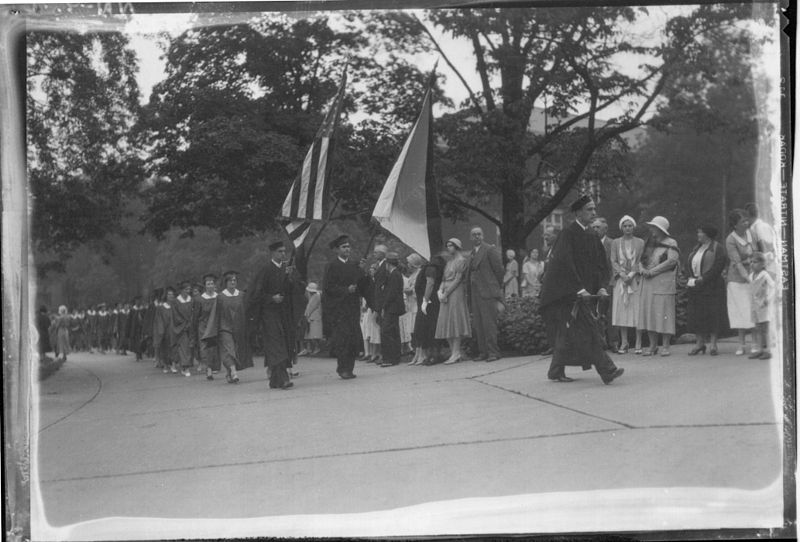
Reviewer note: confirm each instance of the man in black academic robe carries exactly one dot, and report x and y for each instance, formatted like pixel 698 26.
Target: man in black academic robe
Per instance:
pixel 344 283
pixel 578 269
pixel 269 302
pixel 390 306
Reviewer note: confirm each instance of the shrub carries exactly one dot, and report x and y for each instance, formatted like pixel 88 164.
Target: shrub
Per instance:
pixel 520 328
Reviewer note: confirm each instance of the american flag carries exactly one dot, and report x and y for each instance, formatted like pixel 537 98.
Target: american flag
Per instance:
pixel 307 198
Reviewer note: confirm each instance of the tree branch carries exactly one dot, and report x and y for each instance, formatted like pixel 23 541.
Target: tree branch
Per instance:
pixel 578 118
pixel 482 71
pixel 447 197
pixel 586 154
pixel 476 103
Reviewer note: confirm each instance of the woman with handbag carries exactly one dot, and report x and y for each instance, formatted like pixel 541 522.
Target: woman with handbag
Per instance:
pixel 658 269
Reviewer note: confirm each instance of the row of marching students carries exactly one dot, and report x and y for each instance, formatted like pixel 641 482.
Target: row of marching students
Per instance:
pixel 219 329
pixel 100 329
pixel 209 327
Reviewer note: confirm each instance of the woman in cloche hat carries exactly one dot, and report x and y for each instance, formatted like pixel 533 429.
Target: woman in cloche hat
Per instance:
pixel 657 299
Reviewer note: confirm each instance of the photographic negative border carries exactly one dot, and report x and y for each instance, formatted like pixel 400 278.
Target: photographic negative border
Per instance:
pixel 18 290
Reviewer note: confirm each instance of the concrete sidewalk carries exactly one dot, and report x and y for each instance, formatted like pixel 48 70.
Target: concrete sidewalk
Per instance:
pixel 119 438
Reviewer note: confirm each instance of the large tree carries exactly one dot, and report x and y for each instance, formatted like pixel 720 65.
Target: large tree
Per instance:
pixel 705 137
pixel 571 61
pixel 82 103
pixel 228 128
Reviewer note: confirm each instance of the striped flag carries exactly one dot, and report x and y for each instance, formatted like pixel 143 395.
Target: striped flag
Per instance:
pixel 408 206
pixel 308 197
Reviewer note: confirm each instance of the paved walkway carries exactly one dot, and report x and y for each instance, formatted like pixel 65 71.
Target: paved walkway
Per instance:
pixel 119 438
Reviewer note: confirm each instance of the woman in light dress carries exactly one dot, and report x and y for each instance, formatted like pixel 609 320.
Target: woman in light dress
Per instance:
pixel 511 278
pixel 658 269
pixel 313 319
pixel 626 255
pixel 453 323
pixel 370 329
pixel 415 262
pixel 739 246
pixel 532 269
pixel 61 325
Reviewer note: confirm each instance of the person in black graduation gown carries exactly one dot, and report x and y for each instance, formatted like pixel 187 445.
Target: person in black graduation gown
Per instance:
pixel 578 269
pixel 390 307
pixel 269 302
pixel 343 286
pixel 43 328
pixel 135 326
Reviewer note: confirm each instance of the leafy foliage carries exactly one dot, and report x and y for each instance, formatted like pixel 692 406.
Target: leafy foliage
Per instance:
pixel 82 103
pixel 570 59
pixel 232 121
pixel 520 328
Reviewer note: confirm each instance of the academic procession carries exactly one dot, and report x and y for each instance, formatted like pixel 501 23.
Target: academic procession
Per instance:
pixel 435 300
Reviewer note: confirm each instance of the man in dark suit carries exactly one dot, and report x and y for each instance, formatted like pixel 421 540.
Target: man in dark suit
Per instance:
pixel 343 286
pixel 389 307
pixel 269 302
pixel 600 226
pixel 577 270
pixel 485 278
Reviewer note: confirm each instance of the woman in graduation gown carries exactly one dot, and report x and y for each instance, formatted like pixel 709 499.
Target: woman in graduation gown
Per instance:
pixel 134 331
pixel 105 326
pixel 182 328
pixel 162 332
pixel 148 321
pixel 204 305
pixel 92 328
pixel 227 328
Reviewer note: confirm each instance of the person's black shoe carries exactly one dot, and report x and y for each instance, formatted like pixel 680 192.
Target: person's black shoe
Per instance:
pixel 348 376
pixel 287 385
pixel 616 374
pixel 492 358
pixel 562 378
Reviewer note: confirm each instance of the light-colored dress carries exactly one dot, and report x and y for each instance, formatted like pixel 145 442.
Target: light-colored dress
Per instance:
pixel 531 271
pixel 453 318
pixel 62 335
pixel 762 292
pixel 410 298
pixel 313 316
pixel 657 298
pixel 510 282
pixel 739 250
pixel 625 259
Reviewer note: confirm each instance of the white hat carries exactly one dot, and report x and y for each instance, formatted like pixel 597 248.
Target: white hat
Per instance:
pixel 312 287
pixel 661 223
pixel 380 248
pixel 628 218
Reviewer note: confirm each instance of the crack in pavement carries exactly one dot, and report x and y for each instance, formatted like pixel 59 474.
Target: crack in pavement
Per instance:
pixel 623 424
pixel 92 398
pixel 393 450
pixel 329 456
pixel 558 405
